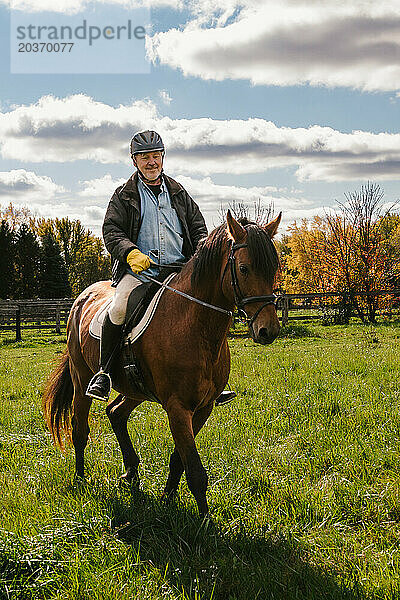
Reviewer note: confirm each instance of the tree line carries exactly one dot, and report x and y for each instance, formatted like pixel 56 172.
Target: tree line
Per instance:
pixel 351 249
pixel 47 258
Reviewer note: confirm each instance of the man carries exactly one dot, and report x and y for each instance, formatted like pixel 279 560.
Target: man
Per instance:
pixel 150 220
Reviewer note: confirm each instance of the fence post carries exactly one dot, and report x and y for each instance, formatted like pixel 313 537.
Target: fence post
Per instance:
pixel 58 321
pixel 285 311
pixel 18 337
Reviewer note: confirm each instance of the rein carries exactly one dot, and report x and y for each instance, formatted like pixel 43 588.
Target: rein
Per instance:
pixel 167 287
pixel 240 299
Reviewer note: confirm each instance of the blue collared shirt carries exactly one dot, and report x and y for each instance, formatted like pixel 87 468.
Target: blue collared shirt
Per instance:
pixel 160 234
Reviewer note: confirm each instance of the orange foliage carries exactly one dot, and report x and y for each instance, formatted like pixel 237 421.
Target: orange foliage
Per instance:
pixel 356 249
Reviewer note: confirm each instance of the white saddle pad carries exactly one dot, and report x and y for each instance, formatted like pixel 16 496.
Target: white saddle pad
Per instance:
pixel 97 321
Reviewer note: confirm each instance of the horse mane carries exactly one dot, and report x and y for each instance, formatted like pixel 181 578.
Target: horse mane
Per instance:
pixel 207 259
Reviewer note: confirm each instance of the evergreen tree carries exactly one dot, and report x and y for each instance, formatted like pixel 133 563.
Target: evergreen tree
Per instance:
pixel 27 263
pixel 53 271
pixel 6 260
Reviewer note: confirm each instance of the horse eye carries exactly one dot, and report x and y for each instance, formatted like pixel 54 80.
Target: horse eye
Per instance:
pixel 244 269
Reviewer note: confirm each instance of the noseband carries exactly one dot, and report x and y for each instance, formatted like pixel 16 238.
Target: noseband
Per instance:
pixel 240 300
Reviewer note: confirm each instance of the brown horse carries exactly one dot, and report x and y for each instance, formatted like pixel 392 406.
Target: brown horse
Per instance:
pixel 183 353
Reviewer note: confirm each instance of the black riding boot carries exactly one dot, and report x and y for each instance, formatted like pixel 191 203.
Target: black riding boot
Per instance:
pixel 225 397
pixel 100 385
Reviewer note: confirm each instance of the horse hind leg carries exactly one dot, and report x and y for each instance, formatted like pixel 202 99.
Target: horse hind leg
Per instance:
pixel 80 416
pixel 118 412
pixel 174 476
pixel 80 431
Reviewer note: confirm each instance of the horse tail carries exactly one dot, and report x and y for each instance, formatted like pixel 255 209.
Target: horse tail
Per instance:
pixel 57 401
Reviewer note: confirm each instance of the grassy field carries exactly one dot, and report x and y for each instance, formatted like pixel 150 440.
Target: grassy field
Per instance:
pixel 304 482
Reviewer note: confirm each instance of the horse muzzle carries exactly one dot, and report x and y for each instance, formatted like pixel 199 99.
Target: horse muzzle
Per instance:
pixel 265 335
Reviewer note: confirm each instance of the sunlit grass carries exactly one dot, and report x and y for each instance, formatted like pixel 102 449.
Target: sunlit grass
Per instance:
pixel 304 482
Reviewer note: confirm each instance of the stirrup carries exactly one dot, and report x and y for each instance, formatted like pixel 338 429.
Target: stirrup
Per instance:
pixel 100 390
pixel 225 397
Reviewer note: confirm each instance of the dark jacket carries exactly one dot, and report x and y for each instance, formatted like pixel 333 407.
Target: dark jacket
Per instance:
pixel 122 222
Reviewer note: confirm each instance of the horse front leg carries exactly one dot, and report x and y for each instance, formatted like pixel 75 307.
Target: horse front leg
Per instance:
pixel 180 421
pixel 118 412
pixel 175 463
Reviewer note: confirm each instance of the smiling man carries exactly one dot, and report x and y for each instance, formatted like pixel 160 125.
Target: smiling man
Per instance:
pixel 150 221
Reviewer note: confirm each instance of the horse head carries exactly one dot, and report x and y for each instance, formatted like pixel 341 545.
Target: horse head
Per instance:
pixel 249 275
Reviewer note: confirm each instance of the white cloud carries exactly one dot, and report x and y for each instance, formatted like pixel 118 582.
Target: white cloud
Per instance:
pixel 332 43
pixel 72 128
pixel 346 43
pixel 215 198
pixel 47 199
pixel 91 217
pixel 386 169
pixel 27 185
pixel 75 6
pixel 211 198
pixel 165 97
pixel 79 128
pixel 212 194
pixel 100 188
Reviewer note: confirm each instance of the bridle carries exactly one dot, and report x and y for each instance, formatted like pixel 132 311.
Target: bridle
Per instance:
pixel 240 300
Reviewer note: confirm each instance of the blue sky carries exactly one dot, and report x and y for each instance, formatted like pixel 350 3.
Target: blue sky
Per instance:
pixel 288 102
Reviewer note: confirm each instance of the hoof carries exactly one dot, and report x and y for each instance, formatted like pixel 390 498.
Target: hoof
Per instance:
pixel 79 482
pixel 207 522
pixel 168 497
pixel 130 478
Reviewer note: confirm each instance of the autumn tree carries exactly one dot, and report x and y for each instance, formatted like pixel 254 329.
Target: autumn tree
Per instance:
pixel 259 212
pixel 358 242
pixel 90 265
pixel 304 260
pixel 82 251
pixel 390 231
pixel 347 251
pixel 16 216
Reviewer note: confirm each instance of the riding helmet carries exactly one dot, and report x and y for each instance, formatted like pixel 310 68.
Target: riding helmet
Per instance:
pixel 146 141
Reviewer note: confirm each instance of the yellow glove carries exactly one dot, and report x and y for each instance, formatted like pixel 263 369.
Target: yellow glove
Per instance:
pixel 138 261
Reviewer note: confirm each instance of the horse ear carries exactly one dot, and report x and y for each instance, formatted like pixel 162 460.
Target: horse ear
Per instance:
pixel 235 230
pixel 272 227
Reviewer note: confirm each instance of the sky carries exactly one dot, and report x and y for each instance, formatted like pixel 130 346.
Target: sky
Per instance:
pixel 294 102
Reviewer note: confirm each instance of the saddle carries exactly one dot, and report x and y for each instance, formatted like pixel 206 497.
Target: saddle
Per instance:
pixel 141 300
pixel 141 307
pixel 138 301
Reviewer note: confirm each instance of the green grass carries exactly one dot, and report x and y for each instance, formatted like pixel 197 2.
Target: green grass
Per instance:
pixel 304 482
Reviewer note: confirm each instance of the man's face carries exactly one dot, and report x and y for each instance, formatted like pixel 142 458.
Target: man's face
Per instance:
pixel 150 164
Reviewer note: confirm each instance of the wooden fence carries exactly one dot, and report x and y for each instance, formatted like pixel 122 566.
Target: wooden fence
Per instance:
pixel 328 305
pixel 17 315
pixel 34 314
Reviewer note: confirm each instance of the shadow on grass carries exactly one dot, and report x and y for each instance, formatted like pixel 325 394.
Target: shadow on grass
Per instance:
pixel 297 331
pixel 391 322
pixel 206 561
